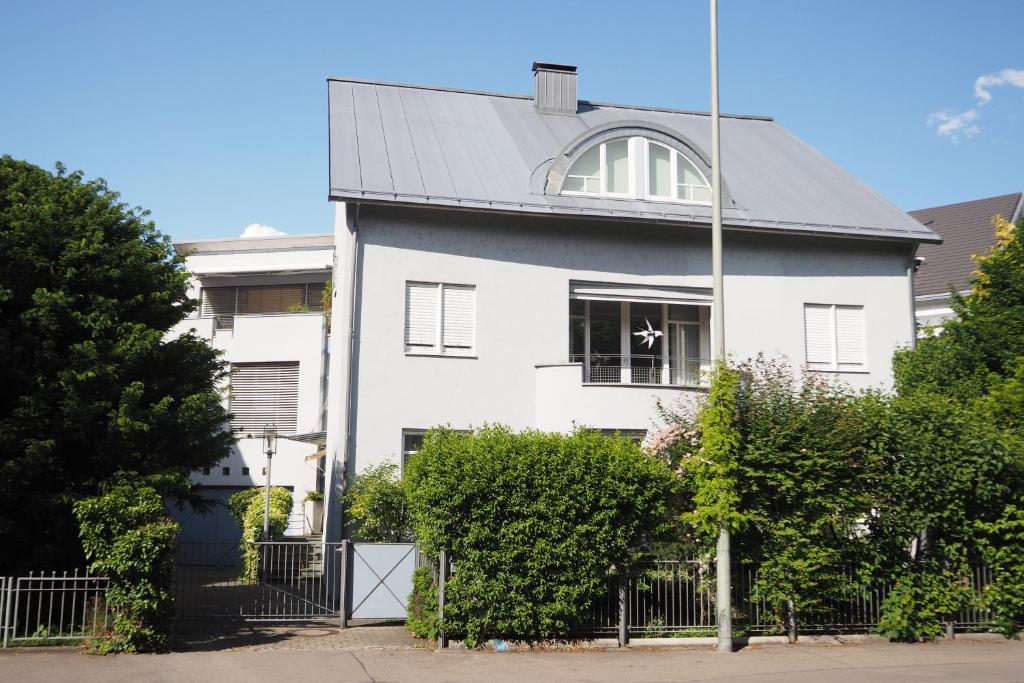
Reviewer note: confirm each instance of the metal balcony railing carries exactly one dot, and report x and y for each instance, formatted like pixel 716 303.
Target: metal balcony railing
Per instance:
pixel 643 369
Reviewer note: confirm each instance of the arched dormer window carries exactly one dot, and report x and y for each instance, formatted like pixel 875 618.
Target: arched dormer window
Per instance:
pixel 637 167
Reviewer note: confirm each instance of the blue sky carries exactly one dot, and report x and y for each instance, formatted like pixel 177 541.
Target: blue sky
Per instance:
pixel 213 115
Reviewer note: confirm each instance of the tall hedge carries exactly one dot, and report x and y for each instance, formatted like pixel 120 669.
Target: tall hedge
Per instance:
pixel 247 507
pixel 534 522
pixel 128 537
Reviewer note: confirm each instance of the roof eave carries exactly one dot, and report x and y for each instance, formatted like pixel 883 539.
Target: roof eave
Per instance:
pixel 751 225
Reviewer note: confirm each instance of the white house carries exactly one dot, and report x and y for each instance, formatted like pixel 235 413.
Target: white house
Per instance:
pixel 262 306
pixel 511 258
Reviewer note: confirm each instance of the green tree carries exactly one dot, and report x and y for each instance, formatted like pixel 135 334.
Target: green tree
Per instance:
pixel 90 381
pixel 128 537
pixel 954 479
pixel 377 506
pixel 786 462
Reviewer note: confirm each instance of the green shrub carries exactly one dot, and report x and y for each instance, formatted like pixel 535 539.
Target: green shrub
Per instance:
pixel 377 506
pixel 920 602
pixel 534 522
pixel 422 619
pixel 128 537
pixel 1003 547
pixel 247 507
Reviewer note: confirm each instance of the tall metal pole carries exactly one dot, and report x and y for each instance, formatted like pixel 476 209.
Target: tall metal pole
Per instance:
pixel 723 566
pixel 266 499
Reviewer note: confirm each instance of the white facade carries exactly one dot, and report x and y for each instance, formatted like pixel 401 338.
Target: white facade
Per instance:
pixel 262 335
pixel 524 272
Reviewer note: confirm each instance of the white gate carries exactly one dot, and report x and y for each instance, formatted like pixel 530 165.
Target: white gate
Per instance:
pixel 379 579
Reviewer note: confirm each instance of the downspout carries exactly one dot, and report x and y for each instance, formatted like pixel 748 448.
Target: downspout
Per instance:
pixel 911 270
pixel 349 368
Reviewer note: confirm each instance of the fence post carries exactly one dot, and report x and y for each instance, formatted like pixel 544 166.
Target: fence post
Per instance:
pixel 343 595
pixel 442 581
pixel 7 608
pixel 623 609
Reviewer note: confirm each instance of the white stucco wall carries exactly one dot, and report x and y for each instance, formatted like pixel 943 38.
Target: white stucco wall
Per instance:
pixel 522 268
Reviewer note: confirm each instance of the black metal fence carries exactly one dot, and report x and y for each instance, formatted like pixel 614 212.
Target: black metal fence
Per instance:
pixel 677 598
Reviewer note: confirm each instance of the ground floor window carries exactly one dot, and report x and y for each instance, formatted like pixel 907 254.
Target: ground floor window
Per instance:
pixel 636 342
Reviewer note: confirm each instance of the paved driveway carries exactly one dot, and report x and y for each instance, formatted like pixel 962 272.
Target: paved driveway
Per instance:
pixel 860 663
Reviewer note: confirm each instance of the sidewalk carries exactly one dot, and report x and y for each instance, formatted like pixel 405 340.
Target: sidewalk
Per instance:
pixel 997 661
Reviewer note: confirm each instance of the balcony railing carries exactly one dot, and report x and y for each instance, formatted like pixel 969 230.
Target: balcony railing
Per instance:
pixel 643 369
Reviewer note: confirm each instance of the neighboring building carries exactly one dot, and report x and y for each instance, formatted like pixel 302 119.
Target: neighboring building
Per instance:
pixel 966 229
pixel 261 304
pixel 510 258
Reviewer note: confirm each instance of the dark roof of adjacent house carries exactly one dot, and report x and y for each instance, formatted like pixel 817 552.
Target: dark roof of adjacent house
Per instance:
pixel 416 145
pixel 966 229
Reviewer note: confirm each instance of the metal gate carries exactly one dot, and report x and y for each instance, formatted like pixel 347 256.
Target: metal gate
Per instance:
pixel 379 579
pixel 268 581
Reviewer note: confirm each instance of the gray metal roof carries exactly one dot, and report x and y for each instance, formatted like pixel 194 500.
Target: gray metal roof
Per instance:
pixel 966 229
pixel 425 145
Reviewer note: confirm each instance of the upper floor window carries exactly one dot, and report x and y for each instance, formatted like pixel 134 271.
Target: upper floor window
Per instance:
pixel 440 318
pixel 834 337
pixel 264 394
pixel 638 168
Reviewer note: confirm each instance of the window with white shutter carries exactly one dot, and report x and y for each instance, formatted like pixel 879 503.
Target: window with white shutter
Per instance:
pixel 458 316
pixel 264 394
pixel 440 318
pixel 834 337
pixel 421 313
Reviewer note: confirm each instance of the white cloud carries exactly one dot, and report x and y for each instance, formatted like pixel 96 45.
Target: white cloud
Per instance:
pixel 1014 77
pixel 964 125
pixel 955 126
pixel 260 230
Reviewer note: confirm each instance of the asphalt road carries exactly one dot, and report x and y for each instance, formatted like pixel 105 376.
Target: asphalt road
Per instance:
pixel 861 663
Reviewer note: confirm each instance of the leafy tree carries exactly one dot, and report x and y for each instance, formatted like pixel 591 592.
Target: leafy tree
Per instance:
pixel 986 339
pixel 955 445
pixel 786 462
pixel 129 538
pixel 90 382
pixel 377 506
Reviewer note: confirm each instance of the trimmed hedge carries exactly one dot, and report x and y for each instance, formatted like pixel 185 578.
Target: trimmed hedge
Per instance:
pixel 534 522
pixel 247 507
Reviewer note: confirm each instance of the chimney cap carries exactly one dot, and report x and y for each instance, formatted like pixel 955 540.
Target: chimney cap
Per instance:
pixel 548 66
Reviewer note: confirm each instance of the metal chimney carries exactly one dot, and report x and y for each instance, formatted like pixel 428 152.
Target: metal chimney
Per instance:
pixel 554 88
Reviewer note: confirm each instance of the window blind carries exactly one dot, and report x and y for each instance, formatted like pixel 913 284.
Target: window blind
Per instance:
pixel 218 301
pixel 459 314
pixel 270 299
pixel 849 336
pixel 818 335
pixel 262 394
pixel 421 312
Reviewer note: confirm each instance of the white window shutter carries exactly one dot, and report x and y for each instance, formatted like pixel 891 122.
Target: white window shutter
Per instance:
pixel 849 336
pixel 459 316
pixel 818 335
pixel 421 300
pixel 262 394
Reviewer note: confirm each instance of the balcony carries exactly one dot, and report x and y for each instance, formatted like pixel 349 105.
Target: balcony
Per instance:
pixel 565 398
pixel 646 369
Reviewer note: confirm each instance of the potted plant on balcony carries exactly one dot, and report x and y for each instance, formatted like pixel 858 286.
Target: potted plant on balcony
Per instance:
pixel 313 508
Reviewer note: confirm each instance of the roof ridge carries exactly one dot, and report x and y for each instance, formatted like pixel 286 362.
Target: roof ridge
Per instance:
pixel 514 96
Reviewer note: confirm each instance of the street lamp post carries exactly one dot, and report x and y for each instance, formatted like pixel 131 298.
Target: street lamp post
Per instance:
pixel 723 559
pixel 270 446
